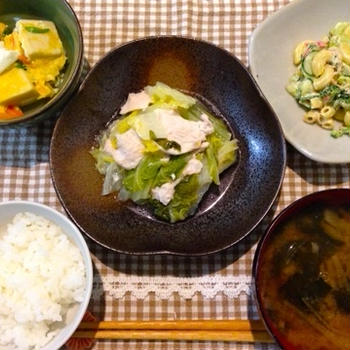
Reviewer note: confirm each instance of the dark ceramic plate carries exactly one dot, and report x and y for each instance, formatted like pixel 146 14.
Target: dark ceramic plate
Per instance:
pixel 333 197
pixel 227 213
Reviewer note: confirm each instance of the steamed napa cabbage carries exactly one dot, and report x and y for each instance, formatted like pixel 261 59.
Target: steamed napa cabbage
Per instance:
pixel 183 150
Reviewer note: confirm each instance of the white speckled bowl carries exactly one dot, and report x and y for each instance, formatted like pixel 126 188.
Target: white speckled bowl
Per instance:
pixel 270 59
pixel 8 210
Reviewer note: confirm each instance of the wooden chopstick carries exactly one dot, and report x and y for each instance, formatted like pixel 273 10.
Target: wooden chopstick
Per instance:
pixel 231 325
pixel 242 336
pixel 210 330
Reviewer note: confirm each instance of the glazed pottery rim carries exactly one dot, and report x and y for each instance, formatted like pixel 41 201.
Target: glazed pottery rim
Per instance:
pixel 66 87
pixel 280 218
pixel 169 252
pixel 191 38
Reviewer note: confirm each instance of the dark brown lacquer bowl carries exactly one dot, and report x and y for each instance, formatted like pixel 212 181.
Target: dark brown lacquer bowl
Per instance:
pixel 265 286
pixel 227 213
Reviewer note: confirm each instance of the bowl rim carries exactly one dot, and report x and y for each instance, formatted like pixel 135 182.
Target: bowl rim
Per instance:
pixel 65 89
pixel 88 266
pixel 169 252
pixel 284 214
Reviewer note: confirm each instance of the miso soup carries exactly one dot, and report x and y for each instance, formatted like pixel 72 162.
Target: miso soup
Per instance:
pixel 304 280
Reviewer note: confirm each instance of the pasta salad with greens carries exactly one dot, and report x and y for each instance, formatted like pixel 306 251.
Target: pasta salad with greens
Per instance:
pixel 164 150
pixel 321 83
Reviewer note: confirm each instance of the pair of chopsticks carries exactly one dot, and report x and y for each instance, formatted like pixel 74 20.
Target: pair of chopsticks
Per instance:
pixel 209 330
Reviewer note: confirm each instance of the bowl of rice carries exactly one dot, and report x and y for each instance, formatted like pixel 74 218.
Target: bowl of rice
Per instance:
pixel 45 277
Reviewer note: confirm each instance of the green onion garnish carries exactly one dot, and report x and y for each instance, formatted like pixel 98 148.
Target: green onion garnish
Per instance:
pixel 20 65
pixel 36 30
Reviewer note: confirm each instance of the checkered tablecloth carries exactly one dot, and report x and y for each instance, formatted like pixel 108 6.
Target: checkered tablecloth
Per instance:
pixel 24 170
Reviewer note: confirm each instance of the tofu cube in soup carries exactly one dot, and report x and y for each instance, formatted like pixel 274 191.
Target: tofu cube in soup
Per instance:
pixel 16 88
pixel 39 39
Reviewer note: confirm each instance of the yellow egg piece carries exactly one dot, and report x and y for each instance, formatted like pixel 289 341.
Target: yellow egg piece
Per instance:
pixel 42 71
pixel 11 42
pixel 45 69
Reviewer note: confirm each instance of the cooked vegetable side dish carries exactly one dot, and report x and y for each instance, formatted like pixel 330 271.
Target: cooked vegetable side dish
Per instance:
pixel 321 83
pixel 32 58
pixel 305 278
pixel 164 149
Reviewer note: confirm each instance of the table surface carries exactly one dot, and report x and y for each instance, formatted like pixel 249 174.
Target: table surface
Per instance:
pixel 162 287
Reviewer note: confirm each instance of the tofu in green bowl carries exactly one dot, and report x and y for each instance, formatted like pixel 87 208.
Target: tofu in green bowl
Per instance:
pixel 41 52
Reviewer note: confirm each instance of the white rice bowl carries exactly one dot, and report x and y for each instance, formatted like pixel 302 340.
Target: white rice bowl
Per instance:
pixel 42 278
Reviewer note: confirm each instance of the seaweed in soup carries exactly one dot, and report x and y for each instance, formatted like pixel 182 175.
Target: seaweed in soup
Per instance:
pixel 302 291
pixel 305 255
pixel 306 285
pixel 309 221
pixel 342 297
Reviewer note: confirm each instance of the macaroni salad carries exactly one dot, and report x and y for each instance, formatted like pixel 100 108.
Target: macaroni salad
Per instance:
pixel 321 82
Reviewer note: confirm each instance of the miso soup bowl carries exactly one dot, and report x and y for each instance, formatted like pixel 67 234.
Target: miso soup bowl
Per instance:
pixel 67 24
pixel 330 197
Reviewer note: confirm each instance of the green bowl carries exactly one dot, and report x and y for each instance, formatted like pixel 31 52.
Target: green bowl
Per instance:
pixel 61 13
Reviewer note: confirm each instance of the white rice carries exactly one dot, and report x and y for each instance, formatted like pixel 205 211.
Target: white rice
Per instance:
pixel 42 276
